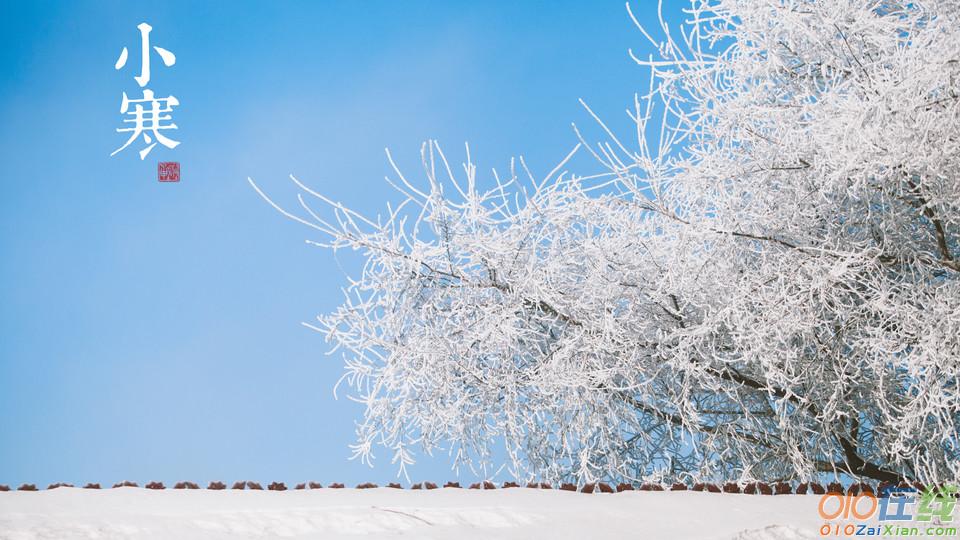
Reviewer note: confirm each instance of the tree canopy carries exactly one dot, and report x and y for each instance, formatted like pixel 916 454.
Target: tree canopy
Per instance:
pixel 762 283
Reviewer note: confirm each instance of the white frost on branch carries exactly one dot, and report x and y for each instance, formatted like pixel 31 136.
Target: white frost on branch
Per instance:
pixel 765 284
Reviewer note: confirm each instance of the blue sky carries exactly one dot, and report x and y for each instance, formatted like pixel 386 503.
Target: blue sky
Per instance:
pixel 152 331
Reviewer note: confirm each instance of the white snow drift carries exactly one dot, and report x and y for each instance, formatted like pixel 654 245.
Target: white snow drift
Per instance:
pixel 131 513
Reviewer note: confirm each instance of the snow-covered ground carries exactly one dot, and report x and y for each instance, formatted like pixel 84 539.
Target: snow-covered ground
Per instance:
pixel 459 514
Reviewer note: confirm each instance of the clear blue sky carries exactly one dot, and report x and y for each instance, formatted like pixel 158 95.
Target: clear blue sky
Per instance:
pixel 152 331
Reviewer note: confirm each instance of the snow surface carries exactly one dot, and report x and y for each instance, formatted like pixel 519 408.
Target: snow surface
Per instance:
pixel 141 514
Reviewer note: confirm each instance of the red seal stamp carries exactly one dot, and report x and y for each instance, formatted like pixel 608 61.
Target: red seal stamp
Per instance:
pixel 168 171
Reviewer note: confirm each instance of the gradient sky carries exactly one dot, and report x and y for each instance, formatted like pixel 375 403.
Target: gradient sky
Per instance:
pixel 152 331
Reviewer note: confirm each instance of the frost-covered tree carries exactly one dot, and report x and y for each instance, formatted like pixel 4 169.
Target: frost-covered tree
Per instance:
pixel 764 284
